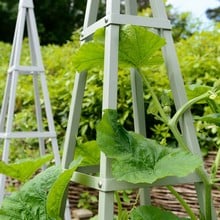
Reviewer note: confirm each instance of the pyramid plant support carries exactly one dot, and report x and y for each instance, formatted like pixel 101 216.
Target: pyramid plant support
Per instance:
pixel 105 183
pixel 36 70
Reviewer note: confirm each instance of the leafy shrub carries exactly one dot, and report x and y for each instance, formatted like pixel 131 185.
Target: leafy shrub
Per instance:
pixel 199 58
pixel 200 64
pixel 199 61
pixel 122 145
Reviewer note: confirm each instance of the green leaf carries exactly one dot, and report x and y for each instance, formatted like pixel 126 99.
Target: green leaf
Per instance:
pixel 89 56
pixel 110 133
pixel 90 153
pixel 196 90
pixel 23 170
pixel 152 213
pixel 138 159
pixel 152 108
pixel 211 118
pixel 123 215
pixel 138 47
pixel 30 201
pixel 99 35
pixel 57 191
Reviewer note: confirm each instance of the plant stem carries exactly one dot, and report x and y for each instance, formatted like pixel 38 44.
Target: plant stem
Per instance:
pixel 213 105
pixel 172 124
pixel 216 180
pixel 137 198
pixel 118 200
pixel 178 137
pixel 174 120
pixel 215 166
pixel 156 101
pixel 182 202
pixel 201 173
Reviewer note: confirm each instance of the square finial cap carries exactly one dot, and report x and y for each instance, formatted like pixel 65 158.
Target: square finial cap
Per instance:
pixel 26 4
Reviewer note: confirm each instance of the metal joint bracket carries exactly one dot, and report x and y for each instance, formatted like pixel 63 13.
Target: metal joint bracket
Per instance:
pixel 110 184
pixel 90 30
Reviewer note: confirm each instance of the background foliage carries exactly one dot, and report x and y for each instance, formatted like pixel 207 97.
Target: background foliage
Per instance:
pixel 57 20
pixel 199 61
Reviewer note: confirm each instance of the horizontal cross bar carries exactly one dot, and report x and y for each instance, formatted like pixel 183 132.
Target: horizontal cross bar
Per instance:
pixel 123 19
pixel 26 69
pixel 110 184
pixel 29 134
pixel 139 20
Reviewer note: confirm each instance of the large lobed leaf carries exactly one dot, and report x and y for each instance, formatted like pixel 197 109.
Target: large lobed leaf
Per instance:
pixel 110 133
pixel 29 203
pixel 41 197
pixel 137 48
pixel 89 152
pixel 89 56
pixel 138 159
pixel 152 213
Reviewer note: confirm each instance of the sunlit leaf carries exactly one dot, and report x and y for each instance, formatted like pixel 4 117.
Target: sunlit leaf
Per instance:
pixel 99 35
pixel 23 170
pixel 138 46
pixel 89 56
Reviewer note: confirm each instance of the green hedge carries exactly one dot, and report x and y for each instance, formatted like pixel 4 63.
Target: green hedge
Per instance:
pixel 199 58
pixel 199 61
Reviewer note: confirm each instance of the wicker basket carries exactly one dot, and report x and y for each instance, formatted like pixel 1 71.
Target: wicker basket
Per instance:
pixel 160 195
